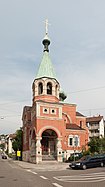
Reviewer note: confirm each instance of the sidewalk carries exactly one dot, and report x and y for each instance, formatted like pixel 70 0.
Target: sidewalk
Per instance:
pixel 45 165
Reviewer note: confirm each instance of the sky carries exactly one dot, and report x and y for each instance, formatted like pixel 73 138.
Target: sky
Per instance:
pixel 77 51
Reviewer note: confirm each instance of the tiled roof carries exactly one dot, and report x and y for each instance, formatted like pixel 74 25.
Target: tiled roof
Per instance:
pixel 12 136
pixel 79 114
pixel 73 127
pixel 94 119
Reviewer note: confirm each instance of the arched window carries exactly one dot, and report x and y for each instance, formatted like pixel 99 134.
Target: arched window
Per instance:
pixel 49 88
pixel 56 88
pixel 40 88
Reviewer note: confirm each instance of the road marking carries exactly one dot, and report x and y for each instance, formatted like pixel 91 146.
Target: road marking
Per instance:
pixel 34 172
pixel 31 171
pixel 57 185
pixel 12 166
pixel 28 170
pixel 43 177
pixel 93 177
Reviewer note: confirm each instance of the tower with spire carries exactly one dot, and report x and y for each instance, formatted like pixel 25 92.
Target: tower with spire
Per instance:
pixel 46 86
pixel 51 129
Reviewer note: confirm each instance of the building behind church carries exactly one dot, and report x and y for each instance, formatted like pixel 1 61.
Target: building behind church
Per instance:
pixel 51 129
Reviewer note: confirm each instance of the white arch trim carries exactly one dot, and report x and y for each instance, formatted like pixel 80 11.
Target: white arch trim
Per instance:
pixel 68 117
pixel 49 127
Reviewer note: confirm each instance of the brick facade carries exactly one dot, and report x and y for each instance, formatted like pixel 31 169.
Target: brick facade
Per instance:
pixel 51 129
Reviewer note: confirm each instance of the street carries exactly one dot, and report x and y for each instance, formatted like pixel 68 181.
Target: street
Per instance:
pixel 21 174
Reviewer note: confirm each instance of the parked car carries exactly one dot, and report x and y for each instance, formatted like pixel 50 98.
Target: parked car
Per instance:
pixel 4 157
pixel 89 162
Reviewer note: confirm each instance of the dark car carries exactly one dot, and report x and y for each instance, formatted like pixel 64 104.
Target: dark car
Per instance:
pixel 89 162
pixel 4 157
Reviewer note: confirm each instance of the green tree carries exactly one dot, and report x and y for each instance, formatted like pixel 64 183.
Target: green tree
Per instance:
pixel 62 96
pixel 97 145
pixel 17 143
pixel 93 145
pixel 2 146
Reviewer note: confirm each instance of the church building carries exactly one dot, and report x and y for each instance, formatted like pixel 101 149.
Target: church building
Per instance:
pixel 52 129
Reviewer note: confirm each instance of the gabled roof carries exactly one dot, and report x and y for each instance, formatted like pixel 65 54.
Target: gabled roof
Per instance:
pixel 94 119
pixel 73 127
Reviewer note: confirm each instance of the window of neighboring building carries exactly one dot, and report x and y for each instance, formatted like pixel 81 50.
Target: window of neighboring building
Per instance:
pixel 49 88
pixel 40 88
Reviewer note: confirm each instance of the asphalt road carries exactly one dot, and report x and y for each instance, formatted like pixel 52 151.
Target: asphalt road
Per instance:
pixel 13 174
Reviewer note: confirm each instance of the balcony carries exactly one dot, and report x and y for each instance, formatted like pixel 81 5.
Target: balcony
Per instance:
pixel 93 127
pixel 94 134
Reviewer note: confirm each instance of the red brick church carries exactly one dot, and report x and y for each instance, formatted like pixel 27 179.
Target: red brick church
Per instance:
pixel 51 129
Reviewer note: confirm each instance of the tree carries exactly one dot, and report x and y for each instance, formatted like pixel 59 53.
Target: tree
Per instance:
pixel 17 143
pixel 62 96
pixel 97 144
pixel 2 146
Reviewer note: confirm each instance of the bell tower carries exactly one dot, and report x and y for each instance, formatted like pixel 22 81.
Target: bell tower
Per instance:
pixel 45 86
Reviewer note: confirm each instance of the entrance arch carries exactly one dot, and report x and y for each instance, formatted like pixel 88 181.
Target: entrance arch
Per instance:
pixel 48 144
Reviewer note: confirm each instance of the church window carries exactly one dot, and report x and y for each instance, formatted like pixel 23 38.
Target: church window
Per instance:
pixel 40 88
pixel 76 141
pixel 45 110
pixel 70 140
pixel 49 88
pixel 53 111
pixel 73 140
pixel 56 88
pixel 80 124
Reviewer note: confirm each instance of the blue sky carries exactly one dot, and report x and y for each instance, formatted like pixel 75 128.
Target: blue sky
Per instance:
pixel 77 51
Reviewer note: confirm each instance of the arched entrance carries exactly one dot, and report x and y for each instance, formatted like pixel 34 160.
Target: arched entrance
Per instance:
pixel 48 143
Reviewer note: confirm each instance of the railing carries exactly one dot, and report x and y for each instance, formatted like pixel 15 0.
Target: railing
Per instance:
pixel 94 127
pixel 94 134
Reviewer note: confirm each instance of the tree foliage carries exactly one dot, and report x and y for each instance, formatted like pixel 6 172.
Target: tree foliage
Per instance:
pixel 62 96
pixel 17 143
pixel 2 146
pixel 97 145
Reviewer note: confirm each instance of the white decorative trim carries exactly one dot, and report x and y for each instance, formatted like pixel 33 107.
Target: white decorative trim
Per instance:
pixel 68 117
pixel 37 109
pixel 49 118
pixel 45 110
pixel 47 106
pixel 49 127
pixel 60 112
pixel 73 143
pixel 52 111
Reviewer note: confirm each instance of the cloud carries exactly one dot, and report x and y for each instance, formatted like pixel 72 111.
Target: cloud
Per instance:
pixel 77 51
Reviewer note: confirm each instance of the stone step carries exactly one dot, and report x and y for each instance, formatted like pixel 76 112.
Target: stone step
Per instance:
pixel 48 157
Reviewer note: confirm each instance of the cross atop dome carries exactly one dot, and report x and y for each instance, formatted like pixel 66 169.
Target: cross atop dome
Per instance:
pixel 46 40
pixel 46 26
pixel 46 68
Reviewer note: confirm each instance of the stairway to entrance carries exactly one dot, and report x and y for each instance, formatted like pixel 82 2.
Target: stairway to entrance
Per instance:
pixel 48 157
